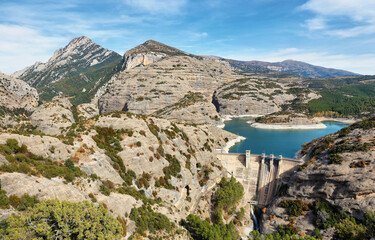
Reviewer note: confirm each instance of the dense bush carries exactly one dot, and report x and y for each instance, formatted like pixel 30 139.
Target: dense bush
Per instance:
pixel 54 219
pixel 148 220
pixel 296 207
pixel 228 194
pixel 203 230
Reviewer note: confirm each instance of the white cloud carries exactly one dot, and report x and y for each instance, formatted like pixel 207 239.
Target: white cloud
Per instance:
pixel 361 14
pixel 158 6
pixel 22 46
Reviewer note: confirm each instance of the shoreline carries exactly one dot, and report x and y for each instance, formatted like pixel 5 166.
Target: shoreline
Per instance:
pixel 231 143
pixel 230 117
pixel 288 126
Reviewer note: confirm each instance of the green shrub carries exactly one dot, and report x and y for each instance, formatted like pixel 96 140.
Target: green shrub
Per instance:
pixel 296 207
pixel 146 219
pixel 63 220
pixel 4 200
pixel 335 158
pixel 228 194
pixel 203 230
pixel 348 229
pixel 12 144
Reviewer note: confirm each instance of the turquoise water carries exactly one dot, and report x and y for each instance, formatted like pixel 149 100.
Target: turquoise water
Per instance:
pixel 284 142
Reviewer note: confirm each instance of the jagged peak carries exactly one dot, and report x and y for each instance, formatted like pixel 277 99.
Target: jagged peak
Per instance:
pixel 155 46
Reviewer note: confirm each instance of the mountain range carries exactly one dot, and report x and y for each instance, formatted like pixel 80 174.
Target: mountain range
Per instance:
pixel 82 67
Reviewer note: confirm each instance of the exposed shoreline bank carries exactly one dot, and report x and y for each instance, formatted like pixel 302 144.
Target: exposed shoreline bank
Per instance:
pixel 230 117
pixel 288 126
pixel 231 143
pixel 343 120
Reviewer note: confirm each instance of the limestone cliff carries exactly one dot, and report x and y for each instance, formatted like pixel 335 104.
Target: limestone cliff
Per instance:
pixel 147 89
pixel 15 93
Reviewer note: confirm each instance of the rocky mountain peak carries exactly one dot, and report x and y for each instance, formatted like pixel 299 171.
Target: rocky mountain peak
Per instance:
pixel 149 52
pixel 80 54
pixel 156 47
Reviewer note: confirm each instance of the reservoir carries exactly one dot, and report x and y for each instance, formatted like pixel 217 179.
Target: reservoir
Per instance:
pixel 271 141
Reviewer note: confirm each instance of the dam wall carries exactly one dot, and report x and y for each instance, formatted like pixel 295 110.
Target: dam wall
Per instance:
pixel 259 174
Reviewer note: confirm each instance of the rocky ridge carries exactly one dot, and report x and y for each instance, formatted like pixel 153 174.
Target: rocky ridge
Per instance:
pixel 149 52
pixel 15 93
pixel 298 68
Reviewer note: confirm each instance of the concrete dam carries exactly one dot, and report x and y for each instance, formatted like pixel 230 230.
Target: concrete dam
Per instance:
pixel 259 174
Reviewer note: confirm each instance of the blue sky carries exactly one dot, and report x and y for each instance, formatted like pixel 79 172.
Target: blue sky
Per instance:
pixel 330 33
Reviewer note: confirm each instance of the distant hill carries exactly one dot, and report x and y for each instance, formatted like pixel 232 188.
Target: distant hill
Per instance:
pixel 288 66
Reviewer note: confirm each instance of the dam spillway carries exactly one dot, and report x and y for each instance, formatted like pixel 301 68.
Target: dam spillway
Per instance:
pixel 259 174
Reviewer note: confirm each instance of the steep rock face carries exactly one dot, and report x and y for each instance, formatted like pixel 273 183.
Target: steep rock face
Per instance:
pixel 149 52
pixel 192 108
pixel 257 96
pixel 349 186
pixel 147 89
pixel 50 117
pixel 81 53
pixel 15 93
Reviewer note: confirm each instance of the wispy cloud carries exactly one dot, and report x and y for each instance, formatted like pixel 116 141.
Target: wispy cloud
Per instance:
pixel 158 6
pixel 19 45
pixel 330 13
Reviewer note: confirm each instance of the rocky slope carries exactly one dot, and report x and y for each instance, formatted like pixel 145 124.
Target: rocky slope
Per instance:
pixel 50 117
pixel 338 170
pixel 15 93
pixel 173 162
pixel 258 95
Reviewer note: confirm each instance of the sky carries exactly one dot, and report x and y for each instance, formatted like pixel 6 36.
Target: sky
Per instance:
pixel 330 33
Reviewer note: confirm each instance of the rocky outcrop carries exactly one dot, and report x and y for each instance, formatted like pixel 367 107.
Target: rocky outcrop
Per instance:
pixel 147 89
pixel 81 53
pixel 88 110
pixel 339 170
pixel 149 52
pixel 19 184
pixel 15 93
pixel 51 117
pixel 192 108
pixel 258 95
pixel 45 146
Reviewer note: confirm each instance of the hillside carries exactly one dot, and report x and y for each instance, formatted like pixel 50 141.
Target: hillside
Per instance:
pixel 336 182
pixel 128 163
